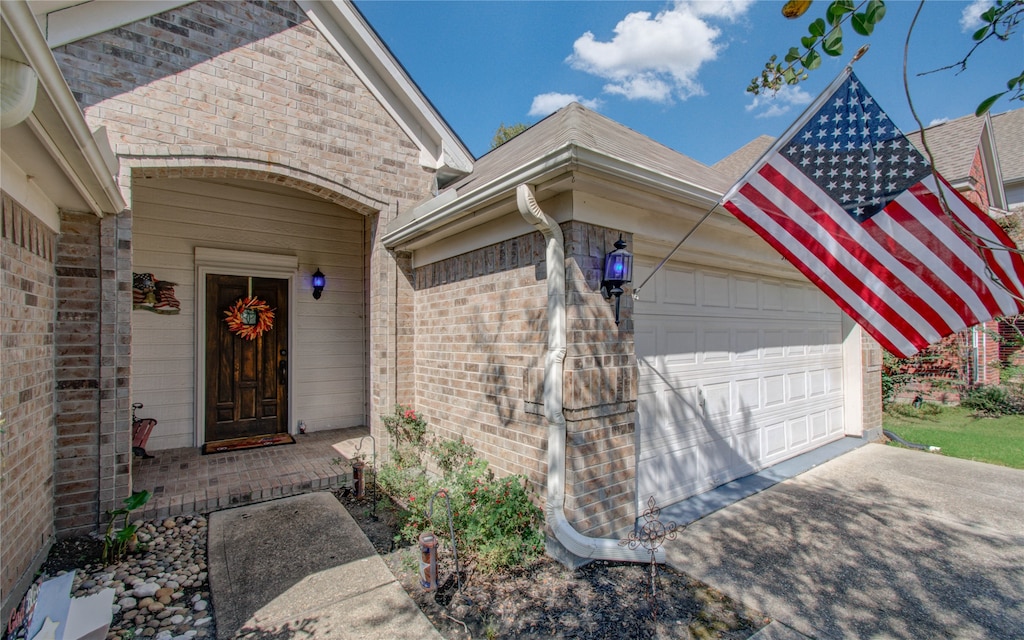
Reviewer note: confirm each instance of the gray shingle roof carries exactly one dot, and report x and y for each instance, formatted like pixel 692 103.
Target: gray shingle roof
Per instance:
pixel 734 165
pixel 579 126
pixel 1009 134
pixel 953 145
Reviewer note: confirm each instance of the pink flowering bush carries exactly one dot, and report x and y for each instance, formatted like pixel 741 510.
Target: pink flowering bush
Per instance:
pixel 407 430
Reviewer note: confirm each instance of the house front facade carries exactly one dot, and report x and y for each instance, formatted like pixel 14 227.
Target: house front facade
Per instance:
pixel 249 145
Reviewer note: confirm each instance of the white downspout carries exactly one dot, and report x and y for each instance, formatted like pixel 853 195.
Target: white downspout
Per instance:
pixel 574 541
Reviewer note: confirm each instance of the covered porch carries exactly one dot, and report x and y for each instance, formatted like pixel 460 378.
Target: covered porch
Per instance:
pixel 185 481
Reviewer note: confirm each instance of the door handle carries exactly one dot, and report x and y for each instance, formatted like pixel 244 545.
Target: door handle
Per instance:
pixel 282 372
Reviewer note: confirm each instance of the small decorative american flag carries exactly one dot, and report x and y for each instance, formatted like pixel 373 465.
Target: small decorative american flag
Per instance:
pixel 848 200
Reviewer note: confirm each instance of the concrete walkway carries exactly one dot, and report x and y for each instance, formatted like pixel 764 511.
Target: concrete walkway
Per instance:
pixel 300 567
pixel 878 543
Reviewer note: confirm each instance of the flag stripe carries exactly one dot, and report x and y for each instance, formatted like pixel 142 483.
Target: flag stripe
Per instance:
pixel 822 265
pixel 1008 264
pixel 940 244
pixel 913 243
pixel 865 252
pixel 890 339
pixel 846 198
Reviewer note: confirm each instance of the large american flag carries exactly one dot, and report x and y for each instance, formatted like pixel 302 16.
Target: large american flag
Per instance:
pixel 846 198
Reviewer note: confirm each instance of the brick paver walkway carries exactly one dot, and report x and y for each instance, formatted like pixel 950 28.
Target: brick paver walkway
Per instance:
pixel 185 481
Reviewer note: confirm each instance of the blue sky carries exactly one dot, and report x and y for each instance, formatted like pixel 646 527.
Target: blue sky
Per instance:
pixel 674 71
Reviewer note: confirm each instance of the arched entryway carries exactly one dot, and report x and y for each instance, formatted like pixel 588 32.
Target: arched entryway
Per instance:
pixel 220 240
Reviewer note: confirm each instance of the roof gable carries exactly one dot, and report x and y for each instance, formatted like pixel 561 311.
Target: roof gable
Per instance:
pixel 347 32
pixel 735 165
pixel 1009 135
pixel 954 146
pixel 577 126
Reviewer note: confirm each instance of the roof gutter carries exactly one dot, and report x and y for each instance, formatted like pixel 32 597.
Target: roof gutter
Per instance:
pixel 577 543
pixel 103 195
pixel 447 209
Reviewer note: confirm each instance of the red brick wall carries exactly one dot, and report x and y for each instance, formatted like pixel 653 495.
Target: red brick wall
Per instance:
pixel 480 341
pixel 235 90
pixel 26 385
pixel 480 347
pixel 979 192
pixel 93 367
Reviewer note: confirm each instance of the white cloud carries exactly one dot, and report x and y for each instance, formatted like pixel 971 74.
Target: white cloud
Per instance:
pixel 654 58
pixel 970 17
pixel 938 121
pixel 767 105
pixel 548 103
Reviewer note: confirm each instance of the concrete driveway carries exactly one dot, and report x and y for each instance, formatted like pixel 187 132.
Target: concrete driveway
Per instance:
pixel 878 543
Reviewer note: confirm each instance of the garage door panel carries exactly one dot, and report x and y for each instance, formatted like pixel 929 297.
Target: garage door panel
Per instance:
pixel 680 287
pixel 798 432
pixel 771 296
pixel 817 383
pixel 745 371
pixel 745 296
pixel 714 290
pixel 819 426
pixel 774 438
pixel 748 394
pixel 679 347
pixel 748 344
pixel 715 346
pixel 717 400
pixel 835 421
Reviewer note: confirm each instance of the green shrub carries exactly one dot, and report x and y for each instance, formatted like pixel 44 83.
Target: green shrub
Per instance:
pixel 993 400
pixel 906 409
pixel 495 521
pixel 894 378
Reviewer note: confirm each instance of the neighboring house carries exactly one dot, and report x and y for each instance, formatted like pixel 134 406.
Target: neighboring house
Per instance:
pixel 257 142
pixel 978 158
pixel 1009 134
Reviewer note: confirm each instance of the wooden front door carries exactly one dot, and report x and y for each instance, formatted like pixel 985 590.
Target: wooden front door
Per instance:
pixel 246 380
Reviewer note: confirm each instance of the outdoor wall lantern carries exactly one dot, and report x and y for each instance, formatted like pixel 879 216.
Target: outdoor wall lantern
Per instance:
pixel 618 270
pixel 319 280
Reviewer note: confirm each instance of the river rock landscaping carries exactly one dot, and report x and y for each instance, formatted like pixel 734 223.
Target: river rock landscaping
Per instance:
pixel 162 591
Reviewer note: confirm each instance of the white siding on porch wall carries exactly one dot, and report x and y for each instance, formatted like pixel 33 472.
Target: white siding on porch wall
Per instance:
pixel 737 372
pixel 327 359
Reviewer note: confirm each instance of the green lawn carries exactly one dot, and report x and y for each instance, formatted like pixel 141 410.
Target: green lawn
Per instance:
pixel 960 434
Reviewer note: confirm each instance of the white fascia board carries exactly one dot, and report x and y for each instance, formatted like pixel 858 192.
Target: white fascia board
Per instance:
pixel 568 158
pixel 355 41
pixel 990 163
pixel 58 120
pixel 84 19
pixel 24 189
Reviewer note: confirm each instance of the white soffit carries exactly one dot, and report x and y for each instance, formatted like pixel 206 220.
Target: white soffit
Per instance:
pixel 371 60
pixel 63 21
pixel 54 144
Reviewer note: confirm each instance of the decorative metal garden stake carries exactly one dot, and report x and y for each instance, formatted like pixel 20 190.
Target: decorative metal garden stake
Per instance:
pixel 451 531
pixel 373 466
pixel 651 536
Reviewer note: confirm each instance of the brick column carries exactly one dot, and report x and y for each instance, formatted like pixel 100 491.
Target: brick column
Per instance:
pixel 600 391
pixel 93 339
pixel 872 359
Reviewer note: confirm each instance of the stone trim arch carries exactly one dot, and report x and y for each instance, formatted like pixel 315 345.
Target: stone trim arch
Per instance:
pixel 201 165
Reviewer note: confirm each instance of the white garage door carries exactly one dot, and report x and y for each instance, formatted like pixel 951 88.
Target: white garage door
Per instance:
pixel 736 372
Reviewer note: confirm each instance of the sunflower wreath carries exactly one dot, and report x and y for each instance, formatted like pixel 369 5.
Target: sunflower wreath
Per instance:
pixel 249 318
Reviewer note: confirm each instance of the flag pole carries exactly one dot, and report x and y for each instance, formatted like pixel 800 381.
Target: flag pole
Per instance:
pixel 796 126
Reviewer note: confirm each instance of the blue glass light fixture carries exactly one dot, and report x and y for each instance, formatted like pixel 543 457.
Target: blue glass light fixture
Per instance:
pixel 618 270
pixel 319 280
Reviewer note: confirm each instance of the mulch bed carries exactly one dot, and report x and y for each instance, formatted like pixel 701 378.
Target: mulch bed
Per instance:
pixel 547 600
